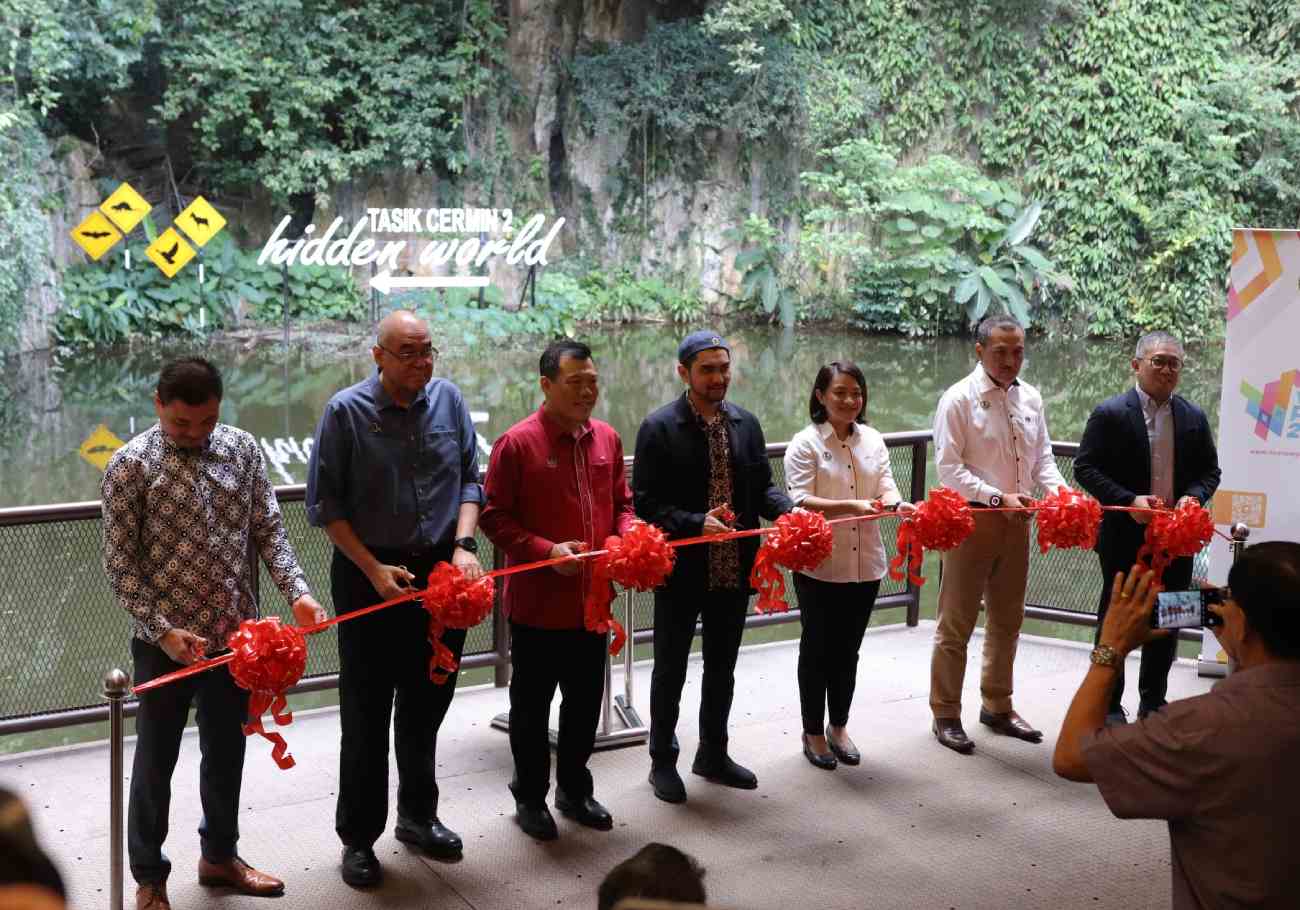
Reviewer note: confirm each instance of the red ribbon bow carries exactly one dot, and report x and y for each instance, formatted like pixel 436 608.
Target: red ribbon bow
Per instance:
pixel 269 657
pixel 1181 532
pixel 1068 519
pixel 641 559
pixel 803 541
pixel 942 522
pixel 454 602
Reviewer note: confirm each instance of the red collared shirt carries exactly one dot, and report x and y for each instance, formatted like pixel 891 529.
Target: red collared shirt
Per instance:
pixel 545 486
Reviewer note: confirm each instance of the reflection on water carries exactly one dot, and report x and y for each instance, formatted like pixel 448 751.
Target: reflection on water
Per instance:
pixel 279 397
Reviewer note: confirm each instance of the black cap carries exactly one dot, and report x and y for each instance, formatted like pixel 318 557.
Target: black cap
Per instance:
pixel 695 342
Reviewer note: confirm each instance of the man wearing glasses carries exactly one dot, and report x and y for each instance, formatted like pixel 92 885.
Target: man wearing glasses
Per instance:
pixel 1147 448
pixel 393 480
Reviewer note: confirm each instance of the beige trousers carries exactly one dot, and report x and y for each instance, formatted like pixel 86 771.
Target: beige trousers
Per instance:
pixel 992 566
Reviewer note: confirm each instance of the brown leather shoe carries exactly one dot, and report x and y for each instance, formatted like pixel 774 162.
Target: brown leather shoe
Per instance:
pixel 950 733
pixel 152 896
pixel 1010 724
pixel 241 876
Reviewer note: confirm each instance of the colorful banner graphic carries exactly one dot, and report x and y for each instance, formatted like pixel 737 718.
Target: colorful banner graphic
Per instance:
pixel 1259 411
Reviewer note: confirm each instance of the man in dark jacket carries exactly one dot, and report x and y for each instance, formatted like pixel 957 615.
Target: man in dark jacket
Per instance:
pixel 1146 448
pixel 698 459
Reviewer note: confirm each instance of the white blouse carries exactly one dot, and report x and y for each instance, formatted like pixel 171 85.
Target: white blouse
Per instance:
pixel 818 463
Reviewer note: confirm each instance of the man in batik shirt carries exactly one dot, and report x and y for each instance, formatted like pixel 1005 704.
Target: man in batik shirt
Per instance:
pixel 181 501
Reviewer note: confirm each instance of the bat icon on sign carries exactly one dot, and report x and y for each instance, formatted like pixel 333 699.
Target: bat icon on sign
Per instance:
pixel 95 235
pixel 201 222
pixel 122 207
pixel 170 255
pixel 100 448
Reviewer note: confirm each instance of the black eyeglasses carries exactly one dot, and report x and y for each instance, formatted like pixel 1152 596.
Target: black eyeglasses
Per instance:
pixel 428 352
pixel 1161 362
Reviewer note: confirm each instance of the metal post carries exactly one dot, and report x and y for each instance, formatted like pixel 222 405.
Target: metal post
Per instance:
pixel 634 729
pixel 116 687
pixel 919 464
pixel 609 688
pixel 1240 534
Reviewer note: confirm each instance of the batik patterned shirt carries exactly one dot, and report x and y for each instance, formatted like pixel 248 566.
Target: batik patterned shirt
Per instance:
pixel 724 557
pixel 177 524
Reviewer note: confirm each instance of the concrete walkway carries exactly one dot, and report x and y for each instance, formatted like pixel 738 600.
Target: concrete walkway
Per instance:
pixel 914 826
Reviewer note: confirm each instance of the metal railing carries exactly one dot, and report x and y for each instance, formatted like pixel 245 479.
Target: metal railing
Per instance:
pixel 62 627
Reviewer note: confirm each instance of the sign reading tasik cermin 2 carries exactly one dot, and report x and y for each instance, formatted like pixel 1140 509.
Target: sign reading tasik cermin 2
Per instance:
pixel 119 214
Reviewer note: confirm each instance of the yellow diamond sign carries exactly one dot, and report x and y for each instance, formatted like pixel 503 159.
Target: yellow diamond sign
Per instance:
pixel 100 446
pixel 169 252
pixel 125 207
pixel 200 221
pixel 96 235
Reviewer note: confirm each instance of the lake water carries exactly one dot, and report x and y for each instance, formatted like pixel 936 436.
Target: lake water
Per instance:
pixel 52 408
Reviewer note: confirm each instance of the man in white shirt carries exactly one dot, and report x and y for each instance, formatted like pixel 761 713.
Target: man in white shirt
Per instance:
pixel 992 447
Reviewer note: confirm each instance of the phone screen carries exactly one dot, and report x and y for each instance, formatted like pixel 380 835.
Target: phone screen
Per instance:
pixel 1178 609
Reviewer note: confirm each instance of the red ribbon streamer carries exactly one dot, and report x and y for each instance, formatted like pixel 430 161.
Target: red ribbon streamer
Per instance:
pixel 1169 535
pixel 641 559
pixel 803 541
pixel 453 601
pixel 1068 519
pixel 942 522
pixel 267 658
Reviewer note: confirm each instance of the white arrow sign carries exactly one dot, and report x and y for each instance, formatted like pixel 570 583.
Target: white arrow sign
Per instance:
pixel 385 283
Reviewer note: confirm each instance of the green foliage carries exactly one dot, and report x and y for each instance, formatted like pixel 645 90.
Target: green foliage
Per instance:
pixel 765 285
pixel 105 303
pixel 59 51
pixel 678 81
pixel 296 96
pixel 23 242
pixel 919 237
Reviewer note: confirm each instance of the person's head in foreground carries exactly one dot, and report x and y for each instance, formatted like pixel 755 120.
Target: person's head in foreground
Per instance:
pixel 657 871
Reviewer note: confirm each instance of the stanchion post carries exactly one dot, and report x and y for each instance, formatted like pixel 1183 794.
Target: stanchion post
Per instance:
pixel 1240 534
pixel 629 623
pixel 116 687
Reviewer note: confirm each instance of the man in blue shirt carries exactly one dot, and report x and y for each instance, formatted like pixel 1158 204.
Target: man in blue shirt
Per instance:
pixel 393 480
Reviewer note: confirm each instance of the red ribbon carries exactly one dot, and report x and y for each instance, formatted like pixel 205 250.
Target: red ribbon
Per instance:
pixel 641 559
pixel 803 540
pixel 453 601
pixel 1068 519
pixel 1171 534
pixel 942 522
pixel 267 658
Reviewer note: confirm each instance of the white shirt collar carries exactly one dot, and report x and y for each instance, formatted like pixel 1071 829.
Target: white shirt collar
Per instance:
pixel 827 431
pixel 986 383
pixel 1148 403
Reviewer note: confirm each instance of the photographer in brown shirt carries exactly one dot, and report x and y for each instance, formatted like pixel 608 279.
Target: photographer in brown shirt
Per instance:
pixel 1219 767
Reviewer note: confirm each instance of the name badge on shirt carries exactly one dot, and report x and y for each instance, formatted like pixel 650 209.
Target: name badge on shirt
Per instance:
pixel 985 404
pixel 552 462
pixel 826 455
pixel 374 427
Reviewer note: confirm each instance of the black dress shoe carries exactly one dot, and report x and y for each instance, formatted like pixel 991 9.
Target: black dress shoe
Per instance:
pixel 585 811
pixel 434 838
pixel 1116 718
pixel 1144 710
pixel 361 867
pixel 950 733
pixel 849 756
pixel 1010 724
pixel 536 820
pixel 826 762
pixel 721 769
pixel 667 783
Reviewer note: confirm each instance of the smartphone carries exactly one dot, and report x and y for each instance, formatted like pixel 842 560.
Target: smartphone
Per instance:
pixel 1187 609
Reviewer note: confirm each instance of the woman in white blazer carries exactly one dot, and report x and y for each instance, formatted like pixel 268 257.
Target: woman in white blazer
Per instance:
pixel 838 466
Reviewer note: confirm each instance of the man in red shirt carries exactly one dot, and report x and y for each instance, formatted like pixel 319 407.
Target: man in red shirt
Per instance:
pixel 555 484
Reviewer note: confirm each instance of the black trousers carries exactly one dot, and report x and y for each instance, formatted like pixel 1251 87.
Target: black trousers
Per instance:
pixel 159 723
pixel 834 618
pixel 1158 655
pixel 541 660
pixel 723 617
pixel 383 676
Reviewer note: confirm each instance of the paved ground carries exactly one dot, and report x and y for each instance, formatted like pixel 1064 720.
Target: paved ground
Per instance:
pixel 914 826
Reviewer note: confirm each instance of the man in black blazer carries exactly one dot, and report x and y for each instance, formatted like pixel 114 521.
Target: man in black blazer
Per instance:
pixel 695 458
pixel 1146 448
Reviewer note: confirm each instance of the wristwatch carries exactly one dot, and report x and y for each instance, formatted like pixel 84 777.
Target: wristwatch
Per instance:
pixel 995 500
pixel 1105 656
pixel 468 544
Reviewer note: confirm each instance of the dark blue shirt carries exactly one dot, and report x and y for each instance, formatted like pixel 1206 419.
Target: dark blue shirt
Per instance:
pixel 397 475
